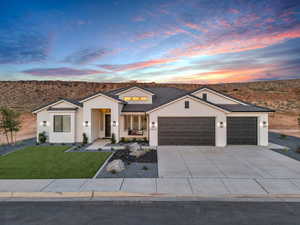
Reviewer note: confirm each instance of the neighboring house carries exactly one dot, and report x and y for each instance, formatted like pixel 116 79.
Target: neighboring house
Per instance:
pixel 163 115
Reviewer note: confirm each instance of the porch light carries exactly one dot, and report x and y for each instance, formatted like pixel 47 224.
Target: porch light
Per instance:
pixel 221 124
pixel 86 123
pixel 44 123
pixel 153 125
pixel 263 124
pixel 114 123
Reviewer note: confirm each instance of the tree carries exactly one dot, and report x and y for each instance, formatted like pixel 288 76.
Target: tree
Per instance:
pixel 10 123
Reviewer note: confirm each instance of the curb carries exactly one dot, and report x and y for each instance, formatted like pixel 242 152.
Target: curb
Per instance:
pixel 93 194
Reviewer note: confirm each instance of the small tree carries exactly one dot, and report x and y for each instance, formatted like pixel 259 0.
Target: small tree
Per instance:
pixel 10 123
pixel 84 139
pixel 113 138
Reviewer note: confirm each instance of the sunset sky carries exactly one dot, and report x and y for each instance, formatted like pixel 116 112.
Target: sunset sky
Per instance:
pixel 190 41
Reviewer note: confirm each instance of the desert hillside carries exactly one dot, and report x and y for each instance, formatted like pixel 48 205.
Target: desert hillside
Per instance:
pixel 283 95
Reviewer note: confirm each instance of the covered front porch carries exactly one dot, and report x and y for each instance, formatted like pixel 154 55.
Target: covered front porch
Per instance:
pixel 134 125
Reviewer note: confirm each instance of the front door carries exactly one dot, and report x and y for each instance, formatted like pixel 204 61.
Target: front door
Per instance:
pixel 107 125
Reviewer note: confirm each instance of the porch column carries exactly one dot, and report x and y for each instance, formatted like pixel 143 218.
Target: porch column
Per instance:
pixel 87 123
pixel 115 120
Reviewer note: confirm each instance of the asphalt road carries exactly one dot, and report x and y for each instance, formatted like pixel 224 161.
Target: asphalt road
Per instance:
pixel 152 213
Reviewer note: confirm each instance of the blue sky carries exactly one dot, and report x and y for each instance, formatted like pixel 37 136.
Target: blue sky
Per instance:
pixel 203 41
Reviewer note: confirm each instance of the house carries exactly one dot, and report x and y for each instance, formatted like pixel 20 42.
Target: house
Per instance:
pixel 162 115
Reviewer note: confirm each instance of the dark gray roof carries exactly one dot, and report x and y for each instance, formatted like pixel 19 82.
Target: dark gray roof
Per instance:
pixel 65 99
pixel 244 108
pixel 162 95
pixel 116 91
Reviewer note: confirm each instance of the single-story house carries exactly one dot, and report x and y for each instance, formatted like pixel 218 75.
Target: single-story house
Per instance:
pixel 162 115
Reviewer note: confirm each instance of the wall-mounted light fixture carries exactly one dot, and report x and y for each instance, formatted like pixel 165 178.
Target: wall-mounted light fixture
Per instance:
pixel 263 124
pixel 221 124
pixel 44 123
pixel 153 125
pixel 86 123
pixel 114 123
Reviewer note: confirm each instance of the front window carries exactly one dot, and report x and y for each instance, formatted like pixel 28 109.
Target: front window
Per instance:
pixel 62 123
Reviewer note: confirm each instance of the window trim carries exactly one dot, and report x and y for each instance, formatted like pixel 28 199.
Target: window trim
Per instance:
pixel 204 96
pixel 61 124
pixel 186 104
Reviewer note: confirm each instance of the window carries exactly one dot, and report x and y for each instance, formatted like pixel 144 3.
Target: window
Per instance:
pixel 135 98
pixel 62 123
pixel 187 104
pixel 204 96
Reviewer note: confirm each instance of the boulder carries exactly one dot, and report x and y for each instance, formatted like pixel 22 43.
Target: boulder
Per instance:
pixel 116 165
pixel 134 147
pixel 137 153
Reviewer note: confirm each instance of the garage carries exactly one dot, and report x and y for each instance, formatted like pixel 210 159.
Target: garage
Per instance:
pixel 186 131
pixel 242 130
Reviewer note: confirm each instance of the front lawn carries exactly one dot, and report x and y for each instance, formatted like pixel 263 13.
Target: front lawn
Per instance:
pixel 50 162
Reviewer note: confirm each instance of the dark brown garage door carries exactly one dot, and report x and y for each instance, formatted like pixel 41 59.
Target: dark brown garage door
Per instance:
pixel 242 130
pixel 186 131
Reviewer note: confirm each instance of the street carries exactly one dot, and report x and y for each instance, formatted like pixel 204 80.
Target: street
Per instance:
pixel 149 213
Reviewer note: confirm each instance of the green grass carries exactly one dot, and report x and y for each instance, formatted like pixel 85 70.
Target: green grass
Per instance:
pixel 50 162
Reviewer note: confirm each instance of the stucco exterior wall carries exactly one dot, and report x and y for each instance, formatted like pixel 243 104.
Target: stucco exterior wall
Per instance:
pixel 197 109
pixel 101 102
pixel 137 93
pixel 214 98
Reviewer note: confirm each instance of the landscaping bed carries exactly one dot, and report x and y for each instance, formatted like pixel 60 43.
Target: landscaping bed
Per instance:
pixel 141 167
pixel 50 162
pixel 292 143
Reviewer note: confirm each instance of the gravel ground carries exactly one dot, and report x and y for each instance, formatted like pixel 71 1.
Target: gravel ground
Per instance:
pixel 293 143
pixel 5 149
pixel 133 170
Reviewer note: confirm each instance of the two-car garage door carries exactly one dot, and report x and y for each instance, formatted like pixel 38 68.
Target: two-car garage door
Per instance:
pixel 201 131
pixel 186 130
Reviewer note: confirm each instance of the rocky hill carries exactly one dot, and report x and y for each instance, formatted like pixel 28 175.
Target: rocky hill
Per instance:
pixel 283 95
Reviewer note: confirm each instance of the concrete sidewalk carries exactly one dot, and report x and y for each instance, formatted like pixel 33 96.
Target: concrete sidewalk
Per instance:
pixel 213 187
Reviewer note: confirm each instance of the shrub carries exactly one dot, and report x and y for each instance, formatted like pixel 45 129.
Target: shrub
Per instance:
pixel 113 172
pixel 113 138
pixel 285 149
pixel 42 137
pixel 123 139
pixel 145 139
pixel 84 139
pixel 134 139
pixel 145 168
pixel 283 136
pixel 298 149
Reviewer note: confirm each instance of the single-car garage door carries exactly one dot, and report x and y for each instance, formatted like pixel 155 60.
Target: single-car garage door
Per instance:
pixel 242 130
pixel 186 131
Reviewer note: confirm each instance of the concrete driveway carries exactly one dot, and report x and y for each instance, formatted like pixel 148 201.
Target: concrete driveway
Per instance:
pixel 229 162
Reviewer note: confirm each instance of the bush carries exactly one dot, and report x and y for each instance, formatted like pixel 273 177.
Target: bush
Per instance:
pixel 145 139
pixel 84 139
pixel 113 138
pixel 113 172
pixel 123 139
pixel 298 149
pixel 42 137
pixel 283 136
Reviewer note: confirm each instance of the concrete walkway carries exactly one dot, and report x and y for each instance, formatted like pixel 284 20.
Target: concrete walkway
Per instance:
pixel 174 186
pixel 98 144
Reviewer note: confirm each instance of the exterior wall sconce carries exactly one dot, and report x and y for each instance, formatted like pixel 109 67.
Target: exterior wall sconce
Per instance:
pixel 153 125
pixel 114 123
pixel 221 124
pixel 263 124
pixel 86 123
pixel 44 123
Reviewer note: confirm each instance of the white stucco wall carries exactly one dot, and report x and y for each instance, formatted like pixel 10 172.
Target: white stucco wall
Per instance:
pixel 262 132
pixel 214 98
pixel 197 109
pixel 136 93
pixel 99 102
